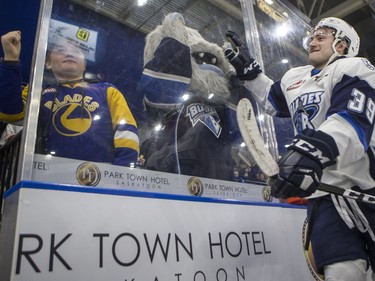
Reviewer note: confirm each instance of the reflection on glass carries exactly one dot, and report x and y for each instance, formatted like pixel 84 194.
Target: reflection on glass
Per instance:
pixel 145 84
pixel 281 33
pixel 81 118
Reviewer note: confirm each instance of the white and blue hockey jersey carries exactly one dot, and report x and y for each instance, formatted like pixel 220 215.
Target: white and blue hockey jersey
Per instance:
pixel 340 101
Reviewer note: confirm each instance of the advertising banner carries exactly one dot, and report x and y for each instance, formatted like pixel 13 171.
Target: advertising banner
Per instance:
pixel 65 235
pixel 51 169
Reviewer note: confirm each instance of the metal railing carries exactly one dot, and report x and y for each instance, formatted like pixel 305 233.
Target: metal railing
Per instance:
pixel 8 166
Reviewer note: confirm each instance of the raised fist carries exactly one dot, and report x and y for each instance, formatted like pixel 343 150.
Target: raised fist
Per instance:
pixel 11 43
pixel 239 56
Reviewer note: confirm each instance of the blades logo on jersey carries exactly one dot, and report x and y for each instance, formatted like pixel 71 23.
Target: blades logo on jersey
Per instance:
pixel 72 115
pixel 71 119
pixel 206 115
pixel 304 109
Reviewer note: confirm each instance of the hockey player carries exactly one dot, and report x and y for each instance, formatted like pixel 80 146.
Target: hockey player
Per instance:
pixel 332 105
pixel 78 119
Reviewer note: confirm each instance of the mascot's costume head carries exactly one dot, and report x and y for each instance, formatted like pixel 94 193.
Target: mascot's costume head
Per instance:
pixel 187 88
pixel 200 64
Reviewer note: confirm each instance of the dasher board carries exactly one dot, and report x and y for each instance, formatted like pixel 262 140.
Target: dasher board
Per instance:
pixel 80 233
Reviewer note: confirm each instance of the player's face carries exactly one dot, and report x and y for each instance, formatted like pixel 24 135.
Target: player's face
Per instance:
pixel 67 62
pixel 320 47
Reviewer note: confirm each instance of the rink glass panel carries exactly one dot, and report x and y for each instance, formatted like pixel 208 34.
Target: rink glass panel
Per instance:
pixel 281 32
pixel 168 102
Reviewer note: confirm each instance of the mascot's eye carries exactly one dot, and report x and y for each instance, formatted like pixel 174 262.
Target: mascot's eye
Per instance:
pixel 205 58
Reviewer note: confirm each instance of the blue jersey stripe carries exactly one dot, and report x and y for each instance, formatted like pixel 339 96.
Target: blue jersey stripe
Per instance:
pixel 278 101
pixel 360 132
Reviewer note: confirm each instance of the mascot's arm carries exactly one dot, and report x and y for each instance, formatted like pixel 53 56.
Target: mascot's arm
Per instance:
pixel 167 76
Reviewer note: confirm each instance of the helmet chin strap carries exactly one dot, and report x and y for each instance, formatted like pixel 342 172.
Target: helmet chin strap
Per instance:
pixel 335 53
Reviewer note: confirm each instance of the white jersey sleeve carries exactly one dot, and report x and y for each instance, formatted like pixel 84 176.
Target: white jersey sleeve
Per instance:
pixel 260 87
pixel 271 95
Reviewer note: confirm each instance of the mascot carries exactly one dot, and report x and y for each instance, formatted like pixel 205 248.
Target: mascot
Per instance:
pixel 189 94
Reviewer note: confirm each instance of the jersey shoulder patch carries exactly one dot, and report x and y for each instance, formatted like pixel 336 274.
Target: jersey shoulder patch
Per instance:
pixel 353 67
pixel 368 64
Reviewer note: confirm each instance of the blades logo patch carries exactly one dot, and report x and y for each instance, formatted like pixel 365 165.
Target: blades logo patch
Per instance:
pixel 72 120
pixel 73 115
pixel 206 115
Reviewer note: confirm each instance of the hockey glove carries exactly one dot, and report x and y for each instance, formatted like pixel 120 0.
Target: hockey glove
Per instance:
pixel 239 56
pixel 302 167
